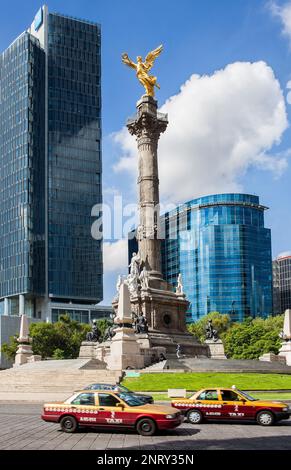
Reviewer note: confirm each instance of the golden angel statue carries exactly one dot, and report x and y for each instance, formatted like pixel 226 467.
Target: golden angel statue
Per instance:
pixel 142 69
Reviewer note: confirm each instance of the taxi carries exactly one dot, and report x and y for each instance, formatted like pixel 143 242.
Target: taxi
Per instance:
pixel 111 409
pixel 230 404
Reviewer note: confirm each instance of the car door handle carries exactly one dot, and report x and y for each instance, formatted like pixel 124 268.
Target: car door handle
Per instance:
pixel 101 409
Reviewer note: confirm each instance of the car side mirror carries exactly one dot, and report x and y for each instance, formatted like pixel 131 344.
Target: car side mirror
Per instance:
pixel 120 405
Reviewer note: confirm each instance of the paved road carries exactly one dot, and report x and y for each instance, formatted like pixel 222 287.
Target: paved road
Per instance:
pixel 22 428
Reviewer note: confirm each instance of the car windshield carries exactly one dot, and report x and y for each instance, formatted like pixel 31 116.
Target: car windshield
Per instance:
pixel 71 398
pixel 247 396
pixel 129 399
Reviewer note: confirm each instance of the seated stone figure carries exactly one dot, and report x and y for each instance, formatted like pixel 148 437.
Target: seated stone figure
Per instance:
pixel 94 334
pixel 140 324
pixel 211 333
pixel 110 332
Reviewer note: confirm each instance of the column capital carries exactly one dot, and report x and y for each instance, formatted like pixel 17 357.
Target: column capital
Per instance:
pixel 147 124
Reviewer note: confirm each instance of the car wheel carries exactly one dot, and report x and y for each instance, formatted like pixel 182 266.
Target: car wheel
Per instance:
pixel 265 418
pixel 68 424
pixel 194 417
pixel 146 427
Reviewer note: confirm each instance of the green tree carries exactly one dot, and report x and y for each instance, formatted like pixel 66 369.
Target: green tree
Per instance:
pixel 58 354
pixel 253 337
pixel 60 340
pixel 44 339
pixel 9 349
pixel 220 322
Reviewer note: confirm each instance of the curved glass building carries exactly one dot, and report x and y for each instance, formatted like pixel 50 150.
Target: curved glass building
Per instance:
pixel 220 246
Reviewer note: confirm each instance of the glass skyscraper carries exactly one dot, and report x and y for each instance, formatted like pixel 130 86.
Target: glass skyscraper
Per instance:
pixel 220 246
pixel 50 160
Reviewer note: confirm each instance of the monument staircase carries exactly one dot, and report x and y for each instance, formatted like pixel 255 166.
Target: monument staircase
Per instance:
pixel 53 379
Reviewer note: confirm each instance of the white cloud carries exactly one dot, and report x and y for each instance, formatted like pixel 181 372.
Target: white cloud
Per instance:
pixel 219 126
pixel 284 13
pixel 115 256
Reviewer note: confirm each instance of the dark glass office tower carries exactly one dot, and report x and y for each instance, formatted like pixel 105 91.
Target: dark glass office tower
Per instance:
pixel 74 158
pixel 50 160
pixel 22 175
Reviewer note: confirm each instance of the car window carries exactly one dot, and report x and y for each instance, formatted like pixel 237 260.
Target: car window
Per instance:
pixel 105 399
pixel 99 387
pixel 229 395
pixel 247 396
pixel 84 399
pixel 208 395
pixel 131 399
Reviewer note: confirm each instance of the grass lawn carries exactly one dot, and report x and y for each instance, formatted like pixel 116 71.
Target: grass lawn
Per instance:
pixel 160 382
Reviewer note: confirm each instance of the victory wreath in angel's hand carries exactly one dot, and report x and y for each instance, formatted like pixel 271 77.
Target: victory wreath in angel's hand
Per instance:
pixel 142 69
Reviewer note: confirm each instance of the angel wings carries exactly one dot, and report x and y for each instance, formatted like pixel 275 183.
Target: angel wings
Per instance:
pixel 142 69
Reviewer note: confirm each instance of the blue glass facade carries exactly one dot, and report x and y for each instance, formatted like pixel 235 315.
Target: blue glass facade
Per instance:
pixel 50 160
pixel 220 246
pixel 74 158
pixel 22 163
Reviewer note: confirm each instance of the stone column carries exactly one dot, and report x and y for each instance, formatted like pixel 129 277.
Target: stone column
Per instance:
pixel 286 337
pixel 147 126
pixel 24 350
pixel 125 350
pixel 21 305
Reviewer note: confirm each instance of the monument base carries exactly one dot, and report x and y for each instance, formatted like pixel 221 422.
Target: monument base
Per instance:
pixel 165 312
pixel 285 351
pixel 271 357
pixel 216 349
pixel 103 351
pixel 88 350
pixel 24 352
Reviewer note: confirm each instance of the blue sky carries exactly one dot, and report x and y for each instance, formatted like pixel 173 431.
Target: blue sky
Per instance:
pixel 200 37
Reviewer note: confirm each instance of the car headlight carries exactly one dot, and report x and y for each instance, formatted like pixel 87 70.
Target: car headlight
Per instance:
pixel 172 416
pixel 285 408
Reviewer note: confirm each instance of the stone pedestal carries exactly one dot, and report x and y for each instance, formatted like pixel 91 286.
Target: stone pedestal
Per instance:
pixel 216 349
pixel 88 350
pixel 24 352
pixel 271 357
pixel 34 358
pixel 285 351
pixel 103 351
pixel 287 324
pixel 143 340
pixel 286 336
pixel 125 352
